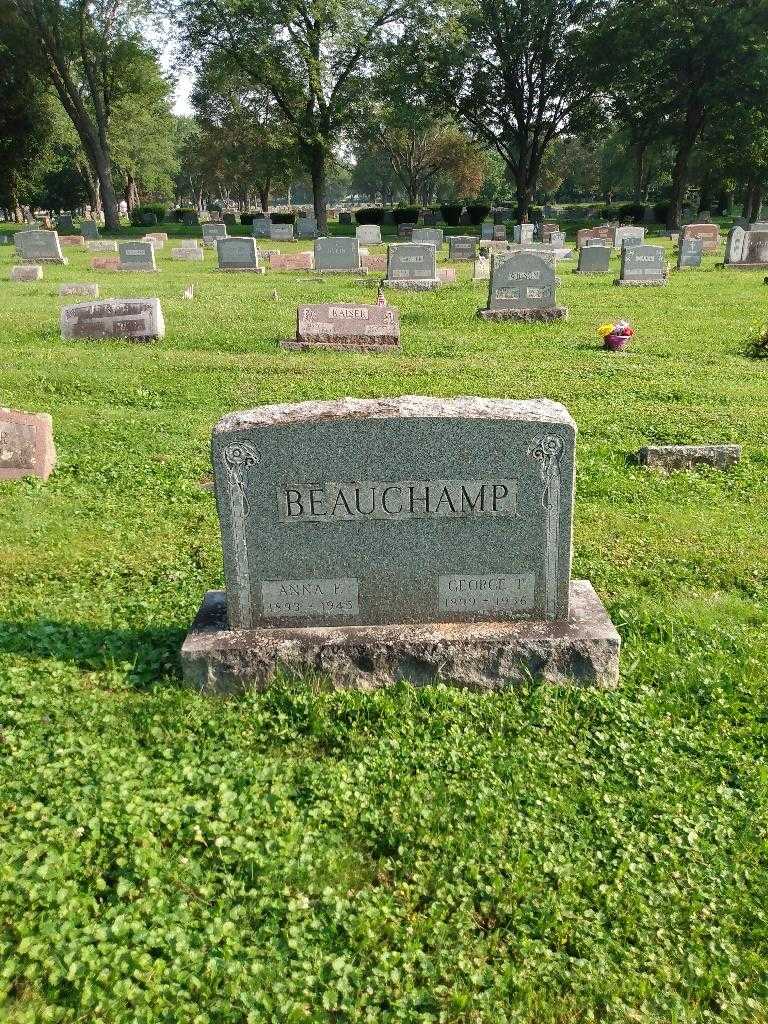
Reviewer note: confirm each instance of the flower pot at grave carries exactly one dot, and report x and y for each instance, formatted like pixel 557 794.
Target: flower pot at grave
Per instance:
pixel 616 342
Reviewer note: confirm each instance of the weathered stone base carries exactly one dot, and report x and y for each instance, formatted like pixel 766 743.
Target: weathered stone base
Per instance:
pixel 44 259
pixel 669 457
pixel 342 345
pixel 482 656
pixel 360 271
pixel 425 285
pixel 526 316
pixel 641 284
pixel 591 273
pixel 241 270
pixel 745 266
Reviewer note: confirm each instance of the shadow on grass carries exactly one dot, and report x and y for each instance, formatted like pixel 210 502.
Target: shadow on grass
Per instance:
pixel 143 655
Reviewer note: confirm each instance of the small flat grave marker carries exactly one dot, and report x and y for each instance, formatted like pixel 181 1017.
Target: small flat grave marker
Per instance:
pixel 28 272
pixel 101 245
pixel 292 261
pixel 26 445
pixel 346 326
pixel 132 319
pixel 190 253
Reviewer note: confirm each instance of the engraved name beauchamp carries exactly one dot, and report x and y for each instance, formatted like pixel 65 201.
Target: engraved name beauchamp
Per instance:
pixel 395 499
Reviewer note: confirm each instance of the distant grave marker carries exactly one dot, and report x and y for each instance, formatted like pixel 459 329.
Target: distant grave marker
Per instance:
pixel 26 445
pixel 594 259
pixel 337 255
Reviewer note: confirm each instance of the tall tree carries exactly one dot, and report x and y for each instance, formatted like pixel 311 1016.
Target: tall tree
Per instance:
pixel 85 47
pixel 313 57
pixel 511 72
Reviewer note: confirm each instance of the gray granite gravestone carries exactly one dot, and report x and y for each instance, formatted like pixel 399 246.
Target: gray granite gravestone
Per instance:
pixel 345 217
pixel 523 233
pixel 188 253
pixel 431 220
pixel 37 246
pixel 131 319
pixel 433 235
pixel 89 229
pixel 414 538
pixel 148 219
pixel 522 287
pixel 412 266
pixel 486 230
pixel 212 232
pixel 102 245
pixel 190 220
pixel 281 232
pixel 306 227
pixel 368 234
pixel 137 256
pixel 346 326
pixel 405 231
pixel 229 219
pixel 757 248
pixel 237 254
pixel 642 265
pixel 337 255
pixel 65 224
pixel 462 247
pixel 26 445
pixel 556 238
pixel 689 253
pixel 260 227
pixel 594 259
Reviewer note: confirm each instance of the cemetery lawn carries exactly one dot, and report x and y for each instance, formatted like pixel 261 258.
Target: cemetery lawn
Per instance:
pixel 544 856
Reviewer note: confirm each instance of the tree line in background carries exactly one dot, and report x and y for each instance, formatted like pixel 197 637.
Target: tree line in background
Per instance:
pixel 376 100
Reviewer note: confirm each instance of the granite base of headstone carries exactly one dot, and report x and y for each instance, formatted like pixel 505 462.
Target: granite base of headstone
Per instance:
pixel 27 272
pixel 90 291
pixel 26 445
pixel 346 326
pixel 138 320
pixel 381 541
pixel 671 457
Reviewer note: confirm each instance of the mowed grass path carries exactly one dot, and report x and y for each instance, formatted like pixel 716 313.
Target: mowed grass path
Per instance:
pixel 545 856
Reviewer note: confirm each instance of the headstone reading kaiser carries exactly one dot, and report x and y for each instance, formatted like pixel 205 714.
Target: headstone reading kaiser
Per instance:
pixel 306 227
pixel 383 540
pixel 238 254
pixel 212 232
pixel 643 266
pixel 139 256
pixel 337 255
pixel 412 266
pixel 345 326
pixel 709 234
pixel 689 253
pixel 39 246
pixel 433 235
pixel 462 247
pixel 522 287
pixel 26 445
pixel 132 319
pixel 89 229
pixel 281 232
pixel 368 234
pixel 594 259
pixel 746 250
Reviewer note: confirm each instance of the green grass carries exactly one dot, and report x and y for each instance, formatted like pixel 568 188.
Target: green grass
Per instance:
pixel 546 856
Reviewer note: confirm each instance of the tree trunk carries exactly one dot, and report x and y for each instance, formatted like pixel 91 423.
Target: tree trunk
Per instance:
pixel 641 171
pixel 679 184
pixel 524 193
pixel 319 188
pixel 264 198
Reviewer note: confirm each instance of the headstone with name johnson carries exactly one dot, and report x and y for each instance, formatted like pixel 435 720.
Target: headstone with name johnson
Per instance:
pixel 89 229
pixel 368 234
pixel 433 235
pixel 137 256
pixel 462 247
pixel 522 287
pixel 26 445
pixel 689 253
pixel 36 246
pixel 346 326
pixel 238 254
pixel 594 259
pixel 132 319
pixel 306 227
pixel 523 233
pixel 643 265
pixel 709 235
pixel 412 266
pixel 281 232
pixel 382 540
pixel 212 232
pixel 337 255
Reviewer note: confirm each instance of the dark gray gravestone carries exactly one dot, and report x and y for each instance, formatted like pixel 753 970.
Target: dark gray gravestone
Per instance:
pixel 412 265
pixel 431 219
pixel 464 219
pixel 281 232
pixel 345 218
pixel 486 231
pixel 306 227
pixel 405 231
pixel 389 219
pixel 643 265
pixel 238 254
pixel 229 219
pixel 377 521
pixel 337 255
pixel 38 246
pixel 594 259
pixel 65 225
pixel 433 235
pixel 462 247
pixel 260 227
pixel 190 220
pixel 89 229
pixel 522 287
pixel 137 256
pixel 689 253
pixel 148 219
